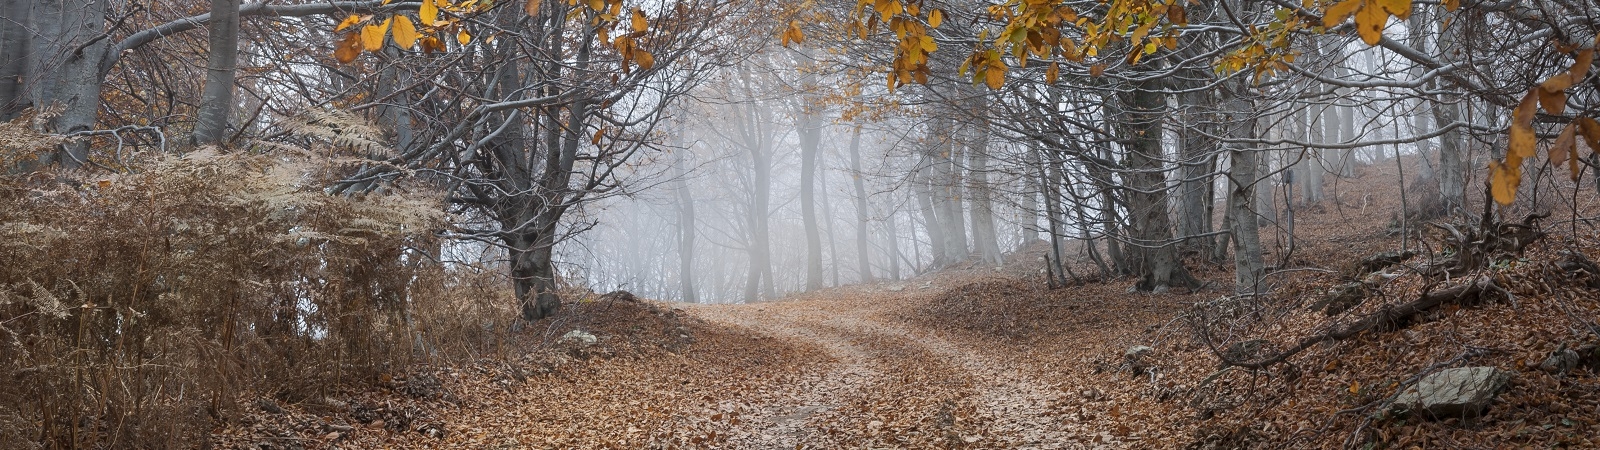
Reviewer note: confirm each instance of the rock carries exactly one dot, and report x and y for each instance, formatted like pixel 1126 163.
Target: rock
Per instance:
pixel 1563 360
pixel 896 288
pixel 580 337
pixel 269 406
pixel 1137 351
pixel 1379 261
pixel 1460 392
pixel 1137 363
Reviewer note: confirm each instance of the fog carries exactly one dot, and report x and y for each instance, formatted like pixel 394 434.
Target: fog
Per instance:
pixel 950 174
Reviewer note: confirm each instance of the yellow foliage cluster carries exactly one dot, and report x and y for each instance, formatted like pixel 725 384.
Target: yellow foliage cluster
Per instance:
pixel 910 27
pixel 1505 176
pixel 440 17
pixel 434 18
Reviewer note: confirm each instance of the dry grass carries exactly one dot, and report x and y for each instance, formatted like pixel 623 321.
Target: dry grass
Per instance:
pixel 135 309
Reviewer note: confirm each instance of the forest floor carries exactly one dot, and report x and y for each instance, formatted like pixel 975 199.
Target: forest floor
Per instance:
pixel 992 358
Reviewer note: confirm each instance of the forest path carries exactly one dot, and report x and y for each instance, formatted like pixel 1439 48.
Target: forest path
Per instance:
pixel 894 385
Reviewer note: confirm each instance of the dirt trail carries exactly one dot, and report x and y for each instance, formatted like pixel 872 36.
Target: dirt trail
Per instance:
pixel 894 384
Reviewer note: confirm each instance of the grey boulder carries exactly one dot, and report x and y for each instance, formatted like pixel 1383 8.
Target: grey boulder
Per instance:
pixel 1463 392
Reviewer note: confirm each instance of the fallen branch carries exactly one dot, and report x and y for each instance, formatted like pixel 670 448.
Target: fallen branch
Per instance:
pixel 1391 317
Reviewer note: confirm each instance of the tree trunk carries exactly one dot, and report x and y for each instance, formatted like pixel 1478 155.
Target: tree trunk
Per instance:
pixel 1311 184
pixel 891 233
pixel 686 231
pixel 63 69
pixel 1347 133
pixel 760 277
pixel 863 256
pixel 1242 224
pixel 922 184
pixel 1139 132
pixel 1052 212
pixel 984 237
pixel 1447 110
pixel 533 274
pixel 1198 159
pixel 810 139
pixel 14 45
pixel 947 183
pixel 216 100
pixel 827 217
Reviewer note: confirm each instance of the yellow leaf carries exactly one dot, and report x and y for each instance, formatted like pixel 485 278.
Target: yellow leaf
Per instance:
pixel 1565 145
pixel 1503 181
pixel 1554 102
pixel 995 77
pixel 428 13
pixel 1452 4
pixel 645 59
pixel 1564 80
pixel 1096 70
pixel 1369 23
pixel 463 37
pixel 935 18
pixel 1522 139
pixel 372 35
pixel 431 44
pixel 597 135
pixel 1177 15
pixel 532 7
pixel 1337 13
pixel 405 33
pixel 1397 8
pixel 597 5
pixel 795 34
pixel 1140 33
pixel 1591 138
pixel 348 21
pixel 348 48
pixel 1051 73
pixel 639 23
pixel 1355 387
pixel 1591 132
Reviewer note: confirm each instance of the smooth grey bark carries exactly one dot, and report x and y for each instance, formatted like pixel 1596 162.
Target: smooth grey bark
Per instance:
pixel 922 184
pixel 216 99
pixel 1246 234
pixel 863 241
pixel 1197 156
pixel 393 117
pixel 755 127
pixel 1244 179
pixel 1139 130
pixel 985 240
pixel 14 39
pixel 1052 213
pixel 1347 133
pixel 1266 200
pixel 1446 110
pixel 63 69
pixel 891 233
pixel 686 231
pixel 947 185
pixel 827 217
pixel 1311 184
pixel 810 131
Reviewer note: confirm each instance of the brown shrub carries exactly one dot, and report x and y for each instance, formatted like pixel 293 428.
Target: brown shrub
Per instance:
pixel 136 309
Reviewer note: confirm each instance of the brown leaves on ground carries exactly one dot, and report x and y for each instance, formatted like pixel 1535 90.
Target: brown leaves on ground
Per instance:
pixel 980 358
pixel 649 382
